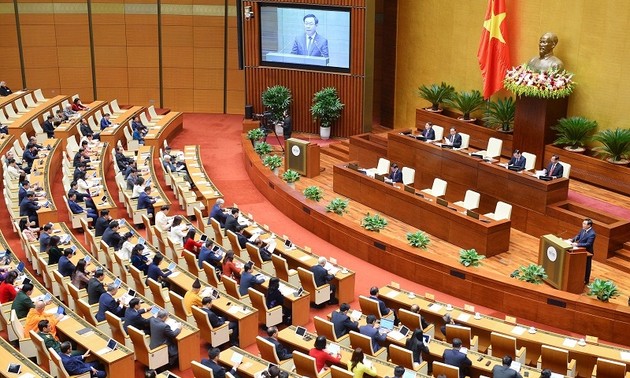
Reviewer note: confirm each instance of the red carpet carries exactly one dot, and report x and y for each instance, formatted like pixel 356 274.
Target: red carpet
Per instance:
pixel 604 207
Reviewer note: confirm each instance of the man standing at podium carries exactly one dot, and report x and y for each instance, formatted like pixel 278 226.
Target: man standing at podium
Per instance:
pixel 310 43
pixel 585 239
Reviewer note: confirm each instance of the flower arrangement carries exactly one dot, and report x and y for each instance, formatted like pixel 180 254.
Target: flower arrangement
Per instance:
pixel 552 84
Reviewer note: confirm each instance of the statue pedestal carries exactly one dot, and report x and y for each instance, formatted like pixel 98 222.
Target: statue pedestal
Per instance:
pixel 532 124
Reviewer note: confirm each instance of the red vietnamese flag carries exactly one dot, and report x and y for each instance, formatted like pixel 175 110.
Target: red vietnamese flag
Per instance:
pixel 493 54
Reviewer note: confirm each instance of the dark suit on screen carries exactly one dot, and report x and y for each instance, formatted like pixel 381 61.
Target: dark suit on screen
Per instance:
pixel 319 46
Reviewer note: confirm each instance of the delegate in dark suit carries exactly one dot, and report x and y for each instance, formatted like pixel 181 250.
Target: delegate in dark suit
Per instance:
pixel 134 318
pixel 49 128
pixel 28 208
pixel 95 289
pixel 65 266
pixel 455 140
pixel 217 214
pixel 281 351
pixel 374 334
pixel 321 276
pixel 161 333
pixel 248 280
pixel 555 170
pixel 343 324
pixel 145 201
pixel 76 366
pixel 454 357
pixel 585 239
pixel 517 162
pixel 396 176
pixel 428 134
pixel 109 303
pixel 501 371
pixel 318 46
pixel 231 223
pixel 218 371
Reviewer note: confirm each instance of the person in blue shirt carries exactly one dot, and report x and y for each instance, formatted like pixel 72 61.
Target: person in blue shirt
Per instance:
pixel 138 260
pixel 155 273
pixel 78 209
pixel 137 136
pixel 107 302
pixel 206 254
pixel 248 279
pixel 145 201
pixel 218 213
pixel 105 122
pixel 65 266
pixel 76 365
pixel 370 329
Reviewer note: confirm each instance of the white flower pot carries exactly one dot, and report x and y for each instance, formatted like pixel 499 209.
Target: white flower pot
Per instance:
pixel 291 185
pixel 279 129
pixel 276 171
pixel 324 132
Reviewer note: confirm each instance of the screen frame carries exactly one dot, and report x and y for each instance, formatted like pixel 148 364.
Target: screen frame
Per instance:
pixel 306 67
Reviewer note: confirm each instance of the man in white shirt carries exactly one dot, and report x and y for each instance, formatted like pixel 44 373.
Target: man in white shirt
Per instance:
pixel 162 220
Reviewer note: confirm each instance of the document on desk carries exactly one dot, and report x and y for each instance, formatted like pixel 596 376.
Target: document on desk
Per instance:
pixel 174 324
pixel 392 294
pixel 463 317
pixel 516 366
pixel 237 358
pixel 234 309
pixel 435 307
pixel 569 342
pixel 518 330
pixel 624 355
pixel 305 257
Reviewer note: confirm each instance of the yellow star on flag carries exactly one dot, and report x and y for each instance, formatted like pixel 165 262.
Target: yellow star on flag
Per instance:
pixel 493 25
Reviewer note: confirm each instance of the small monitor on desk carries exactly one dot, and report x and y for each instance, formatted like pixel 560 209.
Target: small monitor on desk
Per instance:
pixel 545 178
pixel 475 155
pixel 515 168
pixel 472 214
pixel 353 166
pixel 380 177
pixel 422 138
pixel 441 201
pixel 410 189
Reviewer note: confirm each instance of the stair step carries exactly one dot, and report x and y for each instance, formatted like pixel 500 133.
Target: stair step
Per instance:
pixel 619 263
pixel 380 138
pixel 623 254
pixel 335 153
pixel 346 142
pixel 340 147
pixel 626 245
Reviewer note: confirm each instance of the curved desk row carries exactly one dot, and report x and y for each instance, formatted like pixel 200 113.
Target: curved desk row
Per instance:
pixel 23 124
pixel 209 192
pixel 168 125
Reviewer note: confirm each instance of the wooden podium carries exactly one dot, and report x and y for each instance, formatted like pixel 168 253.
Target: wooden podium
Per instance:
pixel 564 265
pixel 302 157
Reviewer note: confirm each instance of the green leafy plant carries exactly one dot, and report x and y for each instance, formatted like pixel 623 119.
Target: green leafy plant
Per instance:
pixel 255 134
pixel 272 161
pixel 531 273
pixel 277 100
pixel 465 102
pixel 574 132
pixel 373 222
pixel 470 257
pixel 615 145
pixel 326 106
pixel 500 114
pixel 418 239
pixel 337 206
pixel 263 148
pixel 436 94
pixel 314 193
pixel 290 176
pixel 603 289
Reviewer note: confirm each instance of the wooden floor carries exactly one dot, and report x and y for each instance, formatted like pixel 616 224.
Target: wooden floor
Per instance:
pixel 523 247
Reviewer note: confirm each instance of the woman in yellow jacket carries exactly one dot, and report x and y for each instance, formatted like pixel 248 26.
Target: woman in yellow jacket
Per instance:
pixel 357 367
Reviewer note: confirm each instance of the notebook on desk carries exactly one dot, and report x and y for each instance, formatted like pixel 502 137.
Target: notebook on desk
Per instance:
pixel 387 324
pixel 111 345
pixel 545 178
pixel 515 168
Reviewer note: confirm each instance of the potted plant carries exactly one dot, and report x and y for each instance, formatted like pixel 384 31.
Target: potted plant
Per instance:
pixel 603 289
pixel 531 273
pixel 337 206
pixel 418 239
pixel 465 102
pixel 314 193
pixel 500 114
pixel 274 162
pixel 436 94
pixel 277 100
pixel 373 222
pixel 615 145
pixel 291 176
pixel 574 132
pixel 327 109
pixel 263 148
pixel 470 257
pixel 255 135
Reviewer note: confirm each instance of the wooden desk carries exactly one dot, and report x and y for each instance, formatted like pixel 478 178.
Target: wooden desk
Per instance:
pixel 71 127
pixel 47 167
pixel 168 125
pixel 10 99
pixel 144 163
pixel 299 257
pixel 465 172
pixel 209 192
pixel 251 365
pixel 100 168
pixel 8 354
pixel 113 134
pixel 425 214
pixel 24 125
pixel 585 356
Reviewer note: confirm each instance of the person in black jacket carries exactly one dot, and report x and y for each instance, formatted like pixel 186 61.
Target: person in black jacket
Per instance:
pixel 48 127
pixel 133 316
pixel 28 208
pixel 231 221
pixel 342 322
pixel 275 298
pixel 95 287
pixel 102 223
pixel 217 321
pixel 321 276
pixel 111 237
pixel 416 345
pixel 212 362
pixel 281 350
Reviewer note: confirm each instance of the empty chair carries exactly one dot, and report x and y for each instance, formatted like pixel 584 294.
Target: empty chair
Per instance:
pixel 504 345
pixel 231 287
pixel 439 132
pixel 438 189
pixel 493 149
pixel 412 321
pixel 25 344
pixel 566 169
pixel 305 366
pixel 267 316
pixel 449 371
pixel 530 161
pixel 151 358
pixel 404 357
pixel 39 95
pixel 471 200
pixel 465 140
pixel 556 360
pixel 608 369
pixel 118 331
pixel 382 168
pixel 283 272
pixel 501 212
pixel 153 114
pixel 408 176
pixel 319 294
pixel 464 334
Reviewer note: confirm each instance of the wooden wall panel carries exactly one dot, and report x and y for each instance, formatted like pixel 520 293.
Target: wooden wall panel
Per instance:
pixel 304 84
pixel 141 37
